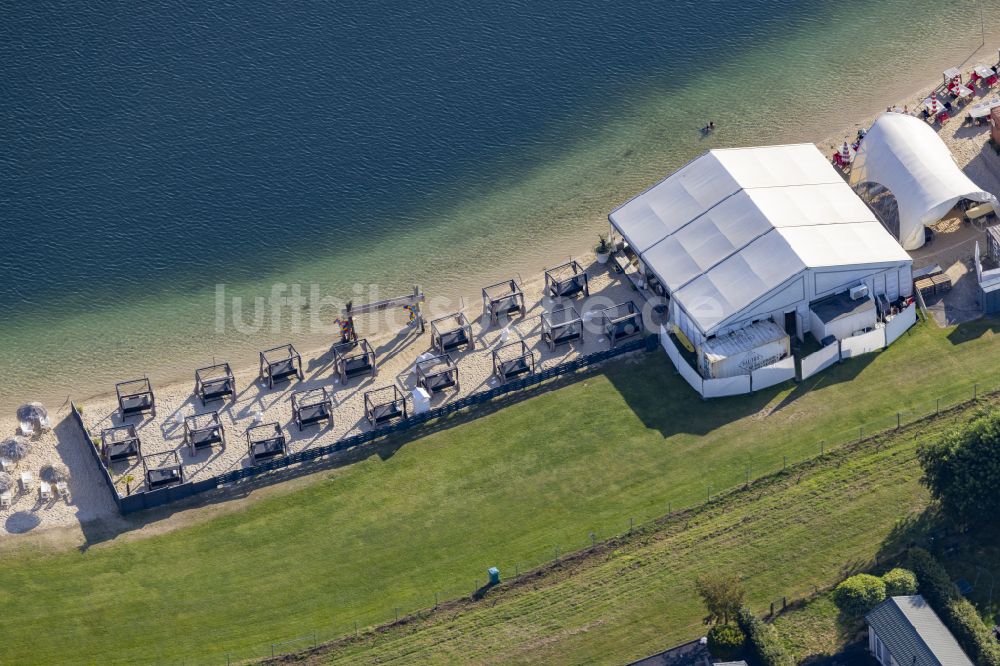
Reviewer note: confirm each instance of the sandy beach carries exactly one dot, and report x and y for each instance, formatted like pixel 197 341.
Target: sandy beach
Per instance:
pixel 396 346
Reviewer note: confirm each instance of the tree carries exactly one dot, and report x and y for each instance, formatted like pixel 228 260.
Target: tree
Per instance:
pixel 859 594
pixel 722 595
pixel 962 469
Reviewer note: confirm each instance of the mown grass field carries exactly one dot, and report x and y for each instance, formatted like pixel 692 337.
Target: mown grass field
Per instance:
pixel 508 489
pixel 784 535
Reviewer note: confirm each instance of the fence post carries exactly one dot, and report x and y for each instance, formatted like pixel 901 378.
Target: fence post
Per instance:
pixel 435 600
pixel 593 540
pixel 355 628
pixel 748 476
pixel 272 650
pixel 709 493
pixel 937 407
pixel 784 463
pixel 315 644
pixel 772 609
pixel 822 446
pixel 631 524
pixel 861 433
pixel 897 420
pixel 975 390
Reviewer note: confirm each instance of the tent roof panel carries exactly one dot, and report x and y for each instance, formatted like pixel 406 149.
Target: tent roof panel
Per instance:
pixel 858 244
pixel 737 282
pixel 777 166
pixel 735 224
pixel 673 202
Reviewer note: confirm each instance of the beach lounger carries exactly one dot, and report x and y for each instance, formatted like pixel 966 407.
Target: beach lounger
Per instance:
pixel 5 500
pixel 62 489
pixel 6 465
pixel 45 490
pixel 27 481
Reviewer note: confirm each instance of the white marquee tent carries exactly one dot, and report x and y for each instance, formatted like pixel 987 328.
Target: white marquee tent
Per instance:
pixel 906 156
pixel 741 235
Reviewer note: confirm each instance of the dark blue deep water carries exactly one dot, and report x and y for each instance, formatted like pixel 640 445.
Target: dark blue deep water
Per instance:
pixel 150 150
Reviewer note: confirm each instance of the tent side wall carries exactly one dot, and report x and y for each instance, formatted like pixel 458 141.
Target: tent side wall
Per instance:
pixel 891 280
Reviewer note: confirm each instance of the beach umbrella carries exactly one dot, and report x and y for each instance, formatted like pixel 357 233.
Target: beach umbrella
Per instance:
pixel 933 105
pixel 15 448
pixel 846 153
pixel 54 473
pixel 33 414
pixel 6 482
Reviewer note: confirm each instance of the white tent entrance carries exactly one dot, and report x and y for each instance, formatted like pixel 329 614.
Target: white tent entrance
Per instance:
pixel 904 155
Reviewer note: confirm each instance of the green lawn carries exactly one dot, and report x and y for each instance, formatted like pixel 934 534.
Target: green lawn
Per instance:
pixel 816 629
pixel 429 516
pixel 785 535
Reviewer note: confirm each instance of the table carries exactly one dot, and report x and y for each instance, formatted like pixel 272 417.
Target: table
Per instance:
pixel 983 71
pixel 982 109
pixel 963 91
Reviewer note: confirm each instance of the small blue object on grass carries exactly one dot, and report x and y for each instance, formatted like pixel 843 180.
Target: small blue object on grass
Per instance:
pixel 964 587
pixel 494 575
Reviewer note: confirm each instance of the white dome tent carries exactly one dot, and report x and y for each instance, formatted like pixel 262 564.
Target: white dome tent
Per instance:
pixel 906 156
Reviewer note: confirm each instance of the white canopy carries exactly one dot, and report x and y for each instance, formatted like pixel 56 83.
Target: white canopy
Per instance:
pixel 734 225
pixel 903 154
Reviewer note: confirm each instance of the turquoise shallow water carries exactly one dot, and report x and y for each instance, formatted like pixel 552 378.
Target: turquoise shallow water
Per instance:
pixel 151 152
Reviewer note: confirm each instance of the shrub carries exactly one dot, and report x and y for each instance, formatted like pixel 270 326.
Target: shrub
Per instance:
pixel 962 469
pixel 899 582
pixel 725 641
pixel 932 580
pixel 955 611
pixel 970 631
pixel 762 640
pixel 859 594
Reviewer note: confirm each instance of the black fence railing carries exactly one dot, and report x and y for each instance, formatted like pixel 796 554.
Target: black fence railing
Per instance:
pixel 147 499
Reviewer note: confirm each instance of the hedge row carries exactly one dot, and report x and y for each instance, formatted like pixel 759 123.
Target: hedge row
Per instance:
pixel 762 640
pixel 956 611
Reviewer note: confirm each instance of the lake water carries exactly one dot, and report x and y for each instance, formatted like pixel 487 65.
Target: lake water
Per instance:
pixel 152 151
